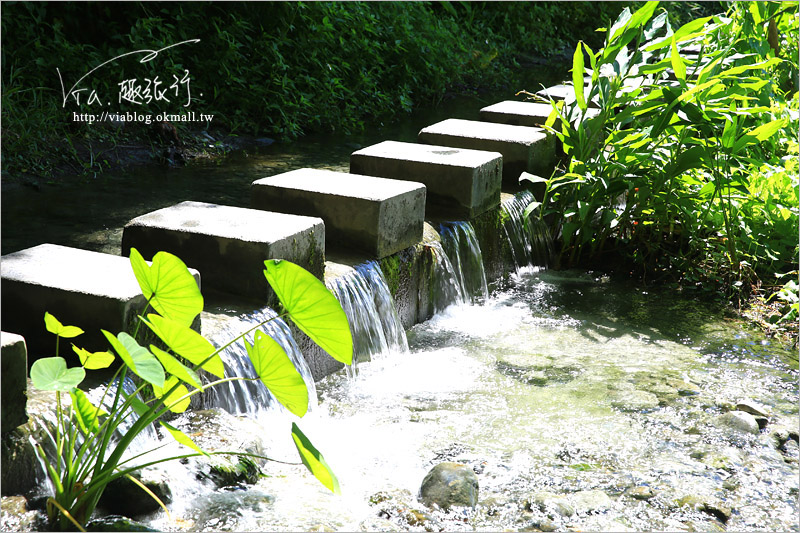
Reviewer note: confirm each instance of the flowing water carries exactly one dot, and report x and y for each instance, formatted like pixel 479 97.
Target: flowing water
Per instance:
pixel 529 238
pixel 374 322
pixel 564 383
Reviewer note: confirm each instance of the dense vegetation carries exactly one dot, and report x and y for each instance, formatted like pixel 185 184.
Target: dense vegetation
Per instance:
pixel 688 169
pixel 279 69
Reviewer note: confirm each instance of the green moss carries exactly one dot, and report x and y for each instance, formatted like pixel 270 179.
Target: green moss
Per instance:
pixel 390 266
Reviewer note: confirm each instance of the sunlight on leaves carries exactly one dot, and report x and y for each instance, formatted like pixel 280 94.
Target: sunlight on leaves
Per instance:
pixel 278 373
pixel 169 286
pixel 314 461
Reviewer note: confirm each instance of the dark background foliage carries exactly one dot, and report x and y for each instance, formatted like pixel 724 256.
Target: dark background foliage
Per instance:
pixel 280 69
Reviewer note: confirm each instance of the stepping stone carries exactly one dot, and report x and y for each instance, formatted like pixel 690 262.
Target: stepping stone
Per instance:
pixel 13 369
pixel 524 149
pixel 229 244
pixel 517 113
pixel 523 113
pixel 375 215
pixel 80 288
pixel 461 183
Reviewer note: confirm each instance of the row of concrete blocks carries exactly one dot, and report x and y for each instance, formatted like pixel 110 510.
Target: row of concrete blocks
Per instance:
pixel 376 210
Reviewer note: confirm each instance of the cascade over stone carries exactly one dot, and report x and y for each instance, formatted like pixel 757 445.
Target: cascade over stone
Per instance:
pixel 462 183
pixel 80 288
pixel 448 485
pixel 229 244
pixel 375 215
pixel 524 149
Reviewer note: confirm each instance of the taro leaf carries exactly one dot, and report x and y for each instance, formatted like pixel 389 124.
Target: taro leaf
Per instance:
pixel 187 343
pixel 94 360
pixel 51 373
pixel 577 76
pixel 168 285
pixel 278 373
pixel 182 438
pixel 54 326
pixel 176 368
pixel 314 460
pixel 174 400
pixel 312 307
pixel 139 359
pixel 85 412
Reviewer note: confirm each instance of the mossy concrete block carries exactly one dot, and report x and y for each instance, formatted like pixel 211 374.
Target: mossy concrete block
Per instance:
pixel 461 183
pixel 229 244
pixel 524 149
pixel 13 369
pixel 81 288
pixel 375 215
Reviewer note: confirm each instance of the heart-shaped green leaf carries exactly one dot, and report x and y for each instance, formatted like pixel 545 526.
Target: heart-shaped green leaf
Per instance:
pixel 176 368
pixel 187 343
pixel 314 460
pixel 138 358
pixel 93 360
pixel 168 285
pixel 85 412
pixel 312 307
pixel 174 400
pixel 54 326
pixel 278 373
pixel 51 373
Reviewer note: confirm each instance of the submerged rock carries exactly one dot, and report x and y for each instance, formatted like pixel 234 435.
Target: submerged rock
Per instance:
pixel 123 496
pixel 634 400
pixel 641 492
pixel 448 485
pixel 590 501
pixel 739 421
pixel 709 505
pixel 753 408
pixel 550 502
pixel 116 523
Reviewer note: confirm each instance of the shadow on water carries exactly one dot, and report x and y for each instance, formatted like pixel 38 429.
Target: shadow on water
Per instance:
pixel 91 215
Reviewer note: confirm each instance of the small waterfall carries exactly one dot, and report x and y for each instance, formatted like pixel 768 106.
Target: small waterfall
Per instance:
pixel 251 397
pixel 445 287
pixel 461 245
pixel 369 306
pixel 529 240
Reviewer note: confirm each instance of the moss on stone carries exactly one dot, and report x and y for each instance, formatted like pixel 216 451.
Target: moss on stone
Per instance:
pixel 390 266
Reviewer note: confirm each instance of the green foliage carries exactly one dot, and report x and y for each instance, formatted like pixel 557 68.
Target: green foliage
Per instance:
pixel 276 68
pixel 688 167
pixel 89 441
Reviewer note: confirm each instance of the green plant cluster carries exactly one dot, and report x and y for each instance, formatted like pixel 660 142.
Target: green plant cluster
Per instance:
pixel 687 166
pixel 87 447
pixel 280 69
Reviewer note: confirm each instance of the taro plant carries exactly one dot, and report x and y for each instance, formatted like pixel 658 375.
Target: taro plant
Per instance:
pixel 91 438
pixel 677 142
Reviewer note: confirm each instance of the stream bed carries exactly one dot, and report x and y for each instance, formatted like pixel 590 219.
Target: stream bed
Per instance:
pixel 581 403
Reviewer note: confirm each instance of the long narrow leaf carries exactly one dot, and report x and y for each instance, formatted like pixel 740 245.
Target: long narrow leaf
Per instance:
pixel 314 461
pixel 577 76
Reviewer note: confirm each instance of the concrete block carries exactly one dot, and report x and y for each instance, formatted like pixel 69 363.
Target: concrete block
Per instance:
pixel 517 113
pixel 13 369
pixel 524 149
pixel 564 92
pixel 460 183
pixel 375 215
pixel 81 288
pixel 229 244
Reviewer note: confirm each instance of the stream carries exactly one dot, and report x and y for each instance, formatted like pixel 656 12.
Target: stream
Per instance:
pixel 580 402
